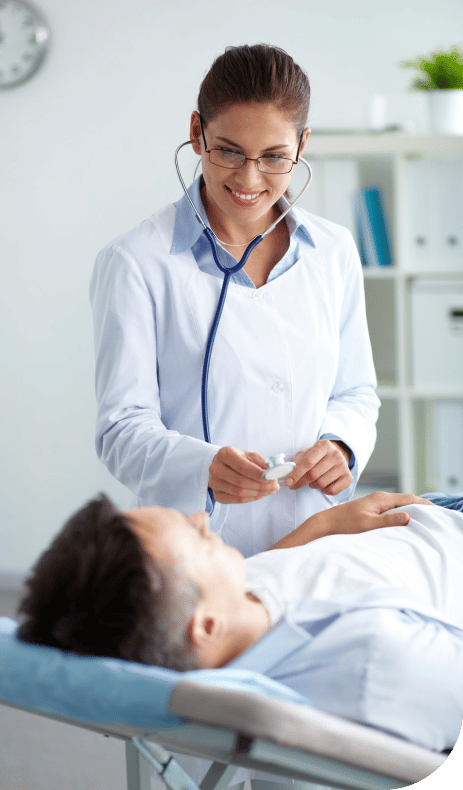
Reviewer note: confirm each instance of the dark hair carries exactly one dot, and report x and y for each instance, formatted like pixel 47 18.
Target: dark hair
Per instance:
pixel 258 73
pixel 95 591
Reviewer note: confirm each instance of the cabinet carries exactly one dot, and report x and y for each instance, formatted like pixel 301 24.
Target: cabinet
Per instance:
pixel 421 177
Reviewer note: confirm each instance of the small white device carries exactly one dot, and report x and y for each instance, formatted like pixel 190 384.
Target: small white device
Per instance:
pixel 278 468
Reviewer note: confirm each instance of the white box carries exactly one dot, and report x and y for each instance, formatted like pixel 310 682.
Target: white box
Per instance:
pixel 448 446
pixel 437 333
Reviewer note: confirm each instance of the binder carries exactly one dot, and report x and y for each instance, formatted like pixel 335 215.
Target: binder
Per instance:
pixel 331 195
pixel 448 446
pixel 372 228
pixel 421 222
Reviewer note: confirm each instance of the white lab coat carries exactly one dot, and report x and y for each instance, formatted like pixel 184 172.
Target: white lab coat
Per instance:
pixel 291 362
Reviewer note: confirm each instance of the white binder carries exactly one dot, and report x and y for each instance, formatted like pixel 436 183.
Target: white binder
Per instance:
pixel 450 194
pixel 448 446
pixel 434 214
pixel 332 192
pixel 422 214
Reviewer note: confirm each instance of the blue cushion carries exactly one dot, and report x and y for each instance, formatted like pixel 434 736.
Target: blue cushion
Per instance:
pixel 106 690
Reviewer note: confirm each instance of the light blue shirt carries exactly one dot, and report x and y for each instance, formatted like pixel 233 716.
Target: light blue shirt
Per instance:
pixel 378 657
pixel 188 235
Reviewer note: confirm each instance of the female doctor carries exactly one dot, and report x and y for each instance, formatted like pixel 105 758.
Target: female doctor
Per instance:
pixel 291 368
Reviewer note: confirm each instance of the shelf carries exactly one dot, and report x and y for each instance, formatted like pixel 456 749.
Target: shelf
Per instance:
pixel 380 272
pixel 413 188
pixel 418 393
pixel 391 272
pixel 383 143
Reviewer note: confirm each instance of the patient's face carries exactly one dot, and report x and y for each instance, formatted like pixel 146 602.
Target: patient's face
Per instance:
pixel 217 569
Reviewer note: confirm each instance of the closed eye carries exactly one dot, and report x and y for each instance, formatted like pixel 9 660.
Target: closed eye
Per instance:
pixel 274 157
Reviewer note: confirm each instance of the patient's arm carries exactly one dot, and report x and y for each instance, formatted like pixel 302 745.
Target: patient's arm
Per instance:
pixel 359 515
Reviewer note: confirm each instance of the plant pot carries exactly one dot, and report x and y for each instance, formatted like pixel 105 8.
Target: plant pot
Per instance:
pixel 446 111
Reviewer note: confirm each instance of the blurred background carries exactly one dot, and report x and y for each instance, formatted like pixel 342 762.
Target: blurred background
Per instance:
pixel 87 148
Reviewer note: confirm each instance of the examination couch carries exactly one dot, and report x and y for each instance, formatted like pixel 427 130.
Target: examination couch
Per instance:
pixel 231 717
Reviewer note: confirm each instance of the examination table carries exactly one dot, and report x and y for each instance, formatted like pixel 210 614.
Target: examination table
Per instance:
pixel 230 717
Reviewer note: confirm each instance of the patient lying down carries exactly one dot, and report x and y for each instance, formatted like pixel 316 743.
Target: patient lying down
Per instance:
pixel 366 625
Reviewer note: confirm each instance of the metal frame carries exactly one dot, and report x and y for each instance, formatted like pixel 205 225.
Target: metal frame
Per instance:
pixel 253 753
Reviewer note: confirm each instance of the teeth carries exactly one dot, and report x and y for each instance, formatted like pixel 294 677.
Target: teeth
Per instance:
pixel 245 197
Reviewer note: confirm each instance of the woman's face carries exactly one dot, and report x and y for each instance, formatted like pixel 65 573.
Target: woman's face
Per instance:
pixel 246 195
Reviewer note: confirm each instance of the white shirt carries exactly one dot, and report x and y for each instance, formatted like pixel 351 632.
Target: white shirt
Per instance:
pixel 424 559
pixel 291 362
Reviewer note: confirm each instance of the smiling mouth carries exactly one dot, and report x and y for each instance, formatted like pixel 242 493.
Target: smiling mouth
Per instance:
pixel 247 197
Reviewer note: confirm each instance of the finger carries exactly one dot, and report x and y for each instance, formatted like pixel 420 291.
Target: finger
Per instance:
pixel 391 520
pixel 330 477
pixel 227 479
pixel 228 495
pixel 310 459
pixel 322 475
pixel 338 485
pixel 237 478
pixel 250 465
pixel 258 459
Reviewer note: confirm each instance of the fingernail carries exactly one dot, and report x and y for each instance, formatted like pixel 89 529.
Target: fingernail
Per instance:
pixel 401 518
pixel 289 481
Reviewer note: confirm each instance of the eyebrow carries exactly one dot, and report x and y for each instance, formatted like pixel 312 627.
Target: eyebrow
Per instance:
pixel 270 148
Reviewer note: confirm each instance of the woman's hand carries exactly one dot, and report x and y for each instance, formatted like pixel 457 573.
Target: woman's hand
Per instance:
pixel 325 466
pixel 235 476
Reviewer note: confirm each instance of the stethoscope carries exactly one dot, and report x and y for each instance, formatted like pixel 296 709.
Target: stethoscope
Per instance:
pixel 227 272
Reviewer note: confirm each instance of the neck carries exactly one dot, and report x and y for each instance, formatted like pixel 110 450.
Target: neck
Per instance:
pixel 248 626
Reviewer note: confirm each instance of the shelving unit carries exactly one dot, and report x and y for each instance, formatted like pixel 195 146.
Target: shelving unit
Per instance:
pixel 401 164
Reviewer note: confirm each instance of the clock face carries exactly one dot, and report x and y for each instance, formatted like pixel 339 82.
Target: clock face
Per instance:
pixel 24 39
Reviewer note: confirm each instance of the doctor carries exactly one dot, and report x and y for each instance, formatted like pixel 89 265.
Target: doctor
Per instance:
pixel 291 369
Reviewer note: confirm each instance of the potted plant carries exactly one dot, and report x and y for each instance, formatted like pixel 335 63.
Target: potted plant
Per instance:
pixel 441 74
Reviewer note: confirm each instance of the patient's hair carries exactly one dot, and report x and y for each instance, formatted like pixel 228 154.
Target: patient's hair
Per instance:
pixel 95 591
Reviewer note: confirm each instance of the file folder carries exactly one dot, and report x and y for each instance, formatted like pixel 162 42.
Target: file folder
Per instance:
pixel 372 228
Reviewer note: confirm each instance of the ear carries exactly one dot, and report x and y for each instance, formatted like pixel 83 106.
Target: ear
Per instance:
pixel 206 630
pixel 305 137
pixel 195 132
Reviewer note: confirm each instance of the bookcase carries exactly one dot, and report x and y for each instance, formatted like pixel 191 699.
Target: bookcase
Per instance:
pixel 415 305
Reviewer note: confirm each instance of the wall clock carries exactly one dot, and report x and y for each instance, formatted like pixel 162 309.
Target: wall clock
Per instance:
pixel 24 39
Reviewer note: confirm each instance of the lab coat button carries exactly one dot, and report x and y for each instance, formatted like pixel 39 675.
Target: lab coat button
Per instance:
pixel 257 295
pixel 278 386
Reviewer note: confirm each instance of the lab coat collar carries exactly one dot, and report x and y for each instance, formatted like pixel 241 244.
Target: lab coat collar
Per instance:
pixel 188 229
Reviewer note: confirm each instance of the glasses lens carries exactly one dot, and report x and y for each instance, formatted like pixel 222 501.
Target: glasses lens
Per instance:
pixel 225 158
pixel 274 164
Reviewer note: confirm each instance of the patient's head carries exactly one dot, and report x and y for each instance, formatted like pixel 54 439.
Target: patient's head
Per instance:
pixel 97 590
pixel 148 585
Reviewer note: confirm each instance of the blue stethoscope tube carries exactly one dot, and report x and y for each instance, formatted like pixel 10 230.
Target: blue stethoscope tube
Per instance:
pixel 227 272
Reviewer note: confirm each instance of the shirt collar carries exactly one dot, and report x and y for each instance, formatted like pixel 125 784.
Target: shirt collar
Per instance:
pixel 188 229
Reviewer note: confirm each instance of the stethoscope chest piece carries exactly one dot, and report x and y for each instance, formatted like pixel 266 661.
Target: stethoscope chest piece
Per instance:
pixel 278 467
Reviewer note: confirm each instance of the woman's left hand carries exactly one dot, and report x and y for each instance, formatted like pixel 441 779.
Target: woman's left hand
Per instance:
pixel 324 466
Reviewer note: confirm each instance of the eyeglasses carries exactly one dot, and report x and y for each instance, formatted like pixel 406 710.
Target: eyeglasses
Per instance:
pixel 232 160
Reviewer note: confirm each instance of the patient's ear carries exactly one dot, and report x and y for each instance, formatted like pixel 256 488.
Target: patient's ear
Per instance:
pixel 207 630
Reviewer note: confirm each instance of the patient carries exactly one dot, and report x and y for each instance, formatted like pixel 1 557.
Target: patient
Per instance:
pixel 154 586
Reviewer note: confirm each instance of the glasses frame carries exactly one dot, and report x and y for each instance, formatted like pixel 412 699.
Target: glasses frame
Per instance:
pixel 249 159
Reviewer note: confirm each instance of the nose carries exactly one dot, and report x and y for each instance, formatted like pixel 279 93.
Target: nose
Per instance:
pixel 248 174
pixel 201 522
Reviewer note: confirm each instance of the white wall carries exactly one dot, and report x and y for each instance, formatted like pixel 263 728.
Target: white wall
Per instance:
pixel 86 151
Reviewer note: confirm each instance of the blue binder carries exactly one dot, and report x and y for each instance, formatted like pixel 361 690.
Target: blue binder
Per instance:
pixel 372 228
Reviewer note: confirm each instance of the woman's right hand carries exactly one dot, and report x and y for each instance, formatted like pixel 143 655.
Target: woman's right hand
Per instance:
pixel 235 477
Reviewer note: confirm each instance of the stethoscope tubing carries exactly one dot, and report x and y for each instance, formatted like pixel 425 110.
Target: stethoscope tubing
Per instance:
pixel 215 323
pixel 227 272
